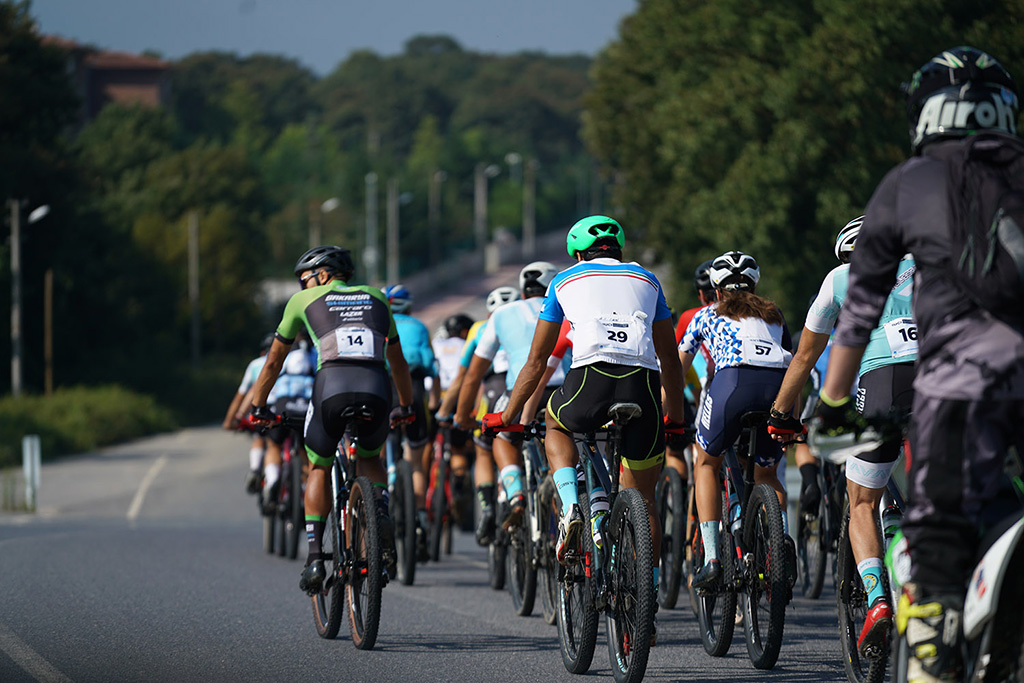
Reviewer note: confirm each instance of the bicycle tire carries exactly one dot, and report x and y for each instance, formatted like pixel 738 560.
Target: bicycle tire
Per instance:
pixel 402 506
pixel 269 532
pixel 690 561
pixel 852 607
pixel 438 511
pixel 577 613
pixel 366 573
pixel 767 587
pixel 812 549
pixel 630 621
pixel 672 513
pixel 329 603
pixel 716 609
pixel 295 527
pixel 496 561
pixel 520 572
pixel 547 565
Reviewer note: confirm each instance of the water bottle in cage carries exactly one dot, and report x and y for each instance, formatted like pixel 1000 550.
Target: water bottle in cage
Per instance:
pixel 734 511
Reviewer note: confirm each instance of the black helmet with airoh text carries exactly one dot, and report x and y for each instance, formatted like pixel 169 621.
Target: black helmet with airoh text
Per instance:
pixel 329 257
pixel 960 92
pixel 734 270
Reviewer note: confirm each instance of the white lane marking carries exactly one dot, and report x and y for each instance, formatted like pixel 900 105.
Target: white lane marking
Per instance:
pixel 136 507
pixel 28 659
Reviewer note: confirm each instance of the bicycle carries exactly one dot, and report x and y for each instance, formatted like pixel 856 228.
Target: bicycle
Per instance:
pixel 817 531
pixel 284 516
pixel 439 495
pixel 351 544
pixel 672 498
pixel 751 543
pixel 616 577
pixel 402 508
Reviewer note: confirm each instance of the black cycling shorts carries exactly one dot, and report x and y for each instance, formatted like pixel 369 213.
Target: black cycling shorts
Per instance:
pixel 336 388
pixel 879 391
pixel 734 391
pixel 581 405
pixel 418 433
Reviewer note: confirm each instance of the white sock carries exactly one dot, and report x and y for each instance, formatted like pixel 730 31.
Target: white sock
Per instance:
pixel 255 458
pixel 271 473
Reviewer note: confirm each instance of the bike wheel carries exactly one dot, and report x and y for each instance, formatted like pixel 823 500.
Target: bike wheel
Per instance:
pixel 438 510
pixel 577 613
pixel 852 608
pixel 403 513
pixel 496 552
pixel 672 513
pixel 366 573
pixel 520 572
pixel 328 604
pixel 716 607
pixel 547 566
pixel 693 545
pixel 631 617
pixel 295 526
pixel 767 587
pixel 812 549
pixel 269 532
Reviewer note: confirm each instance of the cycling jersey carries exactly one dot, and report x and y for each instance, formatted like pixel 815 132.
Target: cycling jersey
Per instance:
pixel 296 378
pixel 416 347
pixel 627 300
pixel 702 362
pixel 511 327
pixel 895 338
pixel 346 324
pixel 499 365
pixel 448 352
pixel 252 371
pixel 750 341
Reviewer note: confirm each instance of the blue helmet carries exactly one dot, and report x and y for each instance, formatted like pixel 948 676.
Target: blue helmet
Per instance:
pixel 398 297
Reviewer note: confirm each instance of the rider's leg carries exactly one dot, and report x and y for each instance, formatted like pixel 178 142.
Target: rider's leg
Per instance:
pixel 807 464
pixel 646 481
pixel 770 476
pixel 676 460
pixel 708 496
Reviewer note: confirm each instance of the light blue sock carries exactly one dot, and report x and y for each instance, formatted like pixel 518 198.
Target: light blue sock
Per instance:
pixel 565 482
pixel 512 480
pixel 709 534
pixel 655 579
pixel 871 574
pixel 785 522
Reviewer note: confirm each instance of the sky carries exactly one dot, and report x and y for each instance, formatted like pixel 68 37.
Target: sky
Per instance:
pixel 322 33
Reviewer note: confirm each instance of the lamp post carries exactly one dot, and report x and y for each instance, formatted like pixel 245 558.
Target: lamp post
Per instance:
pixel 37 214
pixel 530 209
pixel 370 252
pixel 481 175
pixel 315 220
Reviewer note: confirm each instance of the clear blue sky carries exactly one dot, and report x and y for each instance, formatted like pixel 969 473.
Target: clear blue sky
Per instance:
pixel 322 33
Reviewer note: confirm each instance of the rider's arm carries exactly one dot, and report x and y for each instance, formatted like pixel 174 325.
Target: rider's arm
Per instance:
pixel 812 344
pixel 532 405
pixel 271 369
pixel 400 372
pixel 664 338
pixel 843 363
pixel 544 338
pixel 229 417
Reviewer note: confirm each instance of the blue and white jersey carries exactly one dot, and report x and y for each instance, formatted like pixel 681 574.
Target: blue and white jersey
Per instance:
pixel 611 307
pixel 415 339
pixel 296 378
pixel 750 341
pixel 895 338
pixel 500 362
pixel 511 328
pixel 252 371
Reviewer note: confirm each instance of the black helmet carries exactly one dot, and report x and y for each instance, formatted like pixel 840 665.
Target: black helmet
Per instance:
pixel 457 324
pixel 702 277
pixel 333 259
pixel 266 342
pixel 958 93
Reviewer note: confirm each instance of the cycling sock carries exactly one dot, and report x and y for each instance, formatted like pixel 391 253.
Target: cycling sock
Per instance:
pixel 785 522
pixel 383 499
pixel 809 474
pixel 314 535
pixel 271 473
pixel 565 482
pixel 512 480
pixel 485 494
pixel 655 580
pixel 871 574
pixel 255 458
pixel 709 534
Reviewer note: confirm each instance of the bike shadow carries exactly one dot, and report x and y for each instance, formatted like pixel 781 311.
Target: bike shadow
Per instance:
pixel 458 642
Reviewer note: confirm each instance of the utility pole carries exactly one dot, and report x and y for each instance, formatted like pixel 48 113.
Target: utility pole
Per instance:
pixel 193 283
pixel 481 174
pixel 392 231
pixel 15 208
pixel 48 331
pixel 370 252
pixel 530 209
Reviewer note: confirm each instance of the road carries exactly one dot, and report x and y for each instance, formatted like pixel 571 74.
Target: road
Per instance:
pixel 144 564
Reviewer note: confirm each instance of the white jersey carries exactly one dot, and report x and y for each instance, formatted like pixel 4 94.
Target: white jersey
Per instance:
pixel 252 371
pixel 448 353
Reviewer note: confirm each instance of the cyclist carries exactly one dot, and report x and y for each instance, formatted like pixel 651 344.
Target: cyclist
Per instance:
pixel 353 331
pixel 968 404
pixel 233 417
pixel 750 344
pixel 493 388
pixel 419 354
pixel 448 351
pixel 511 327
pixel 886 382
pixel 622 328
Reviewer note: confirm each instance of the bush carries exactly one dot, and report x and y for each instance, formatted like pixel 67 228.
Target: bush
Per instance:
pixel 77 419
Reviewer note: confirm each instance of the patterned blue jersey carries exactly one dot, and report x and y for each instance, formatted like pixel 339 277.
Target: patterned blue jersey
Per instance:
pixel 749 341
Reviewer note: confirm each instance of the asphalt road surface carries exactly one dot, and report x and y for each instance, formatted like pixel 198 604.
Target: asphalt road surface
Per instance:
pixel 145 563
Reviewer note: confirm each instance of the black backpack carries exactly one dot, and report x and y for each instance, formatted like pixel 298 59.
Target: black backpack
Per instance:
pixel 986 184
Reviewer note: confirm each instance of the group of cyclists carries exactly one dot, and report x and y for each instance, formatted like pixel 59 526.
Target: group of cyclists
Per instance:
pixel 565 346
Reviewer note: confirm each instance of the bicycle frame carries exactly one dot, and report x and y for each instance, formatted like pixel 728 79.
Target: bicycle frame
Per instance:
pixel 598 476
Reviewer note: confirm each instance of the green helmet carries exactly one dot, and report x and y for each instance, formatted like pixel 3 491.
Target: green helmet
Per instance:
pixel 588 230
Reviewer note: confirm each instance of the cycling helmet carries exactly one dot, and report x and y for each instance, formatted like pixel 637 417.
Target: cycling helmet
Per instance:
pixel 266 342
pixel 702 277
pixel 499 297
pixel 297 362
pixel 536 275
pixel 399 297
pixel 333 259
pixel 588 230
pixel 846 239
pixel 456 324
pixel 958 93
pixel 734 270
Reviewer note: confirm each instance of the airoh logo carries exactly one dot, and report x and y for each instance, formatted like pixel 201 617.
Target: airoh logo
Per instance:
pixel 941 115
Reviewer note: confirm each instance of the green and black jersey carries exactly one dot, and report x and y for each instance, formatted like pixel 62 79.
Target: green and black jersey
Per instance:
pixel 345 323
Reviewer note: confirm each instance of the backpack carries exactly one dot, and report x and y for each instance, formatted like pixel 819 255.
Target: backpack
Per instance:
pixel 986 189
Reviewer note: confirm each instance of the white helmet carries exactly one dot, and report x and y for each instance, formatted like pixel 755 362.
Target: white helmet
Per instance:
pixel 297 362
pixel 499 297
pixel 539 273
pixel 734 270
pixel 846 239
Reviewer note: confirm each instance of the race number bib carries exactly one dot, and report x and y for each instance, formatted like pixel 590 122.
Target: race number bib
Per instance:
pixel 762 352
pixel 354 342
pixel 614 335
pixel 901 334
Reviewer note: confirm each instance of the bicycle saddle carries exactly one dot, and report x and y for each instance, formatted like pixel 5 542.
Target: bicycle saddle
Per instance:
pixel 358 412
pixel 754 418
pixel 621 413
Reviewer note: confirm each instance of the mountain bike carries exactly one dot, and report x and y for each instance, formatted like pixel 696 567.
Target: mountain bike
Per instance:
pixel 616 577
pixel 402 508
pixel 817 530
pixel 752 550
pixel 439 496
pixel 672 498
pixel 284 515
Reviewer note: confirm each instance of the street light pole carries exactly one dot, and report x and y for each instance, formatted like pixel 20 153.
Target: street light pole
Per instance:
pixel 15 208
pixel 481 174
pixel 370 252
pixel 193 283
pixel 392 231
pixel 530 209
